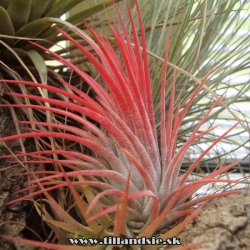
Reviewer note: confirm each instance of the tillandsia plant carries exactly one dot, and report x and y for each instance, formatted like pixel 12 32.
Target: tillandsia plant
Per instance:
pixel 204 34
pixel 129 185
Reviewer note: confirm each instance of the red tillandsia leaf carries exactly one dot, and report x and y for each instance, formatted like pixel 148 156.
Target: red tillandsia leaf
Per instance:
pixel 153 209
pixel 121 216
pixel 67 218
pixel 184 190
pixel 177 229
pixel 133 196
pixel 102 120
pixel 210 176
pixel 197 183
pixel 173 171
pixel 114 192
pixel 205 198
pixel 133 70
pixel 174 216
pixel 92 145
pixel 104 221
pixel 94 85
pixel 107 173
pixel 69 154
pixel 84 99
pixel 146 177
pixel 204 153
pixel 166 131
pixel 149 97
pixel 58 184
pixel 117 223
pixel 80 204
pixel 141 117
pixel 150 229
pixel 179 117
pixel 187 106
pixel 175 164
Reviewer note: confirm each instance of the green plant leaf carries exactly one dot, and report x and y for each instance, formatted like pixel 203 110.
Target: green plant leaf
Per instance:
pixel 90 11
pixel 6 26
pixel 33 29
pixel 19 11
pixel 39 64
pixel 61 7
pixel 4 3
pixel 10 57
pixel 37 9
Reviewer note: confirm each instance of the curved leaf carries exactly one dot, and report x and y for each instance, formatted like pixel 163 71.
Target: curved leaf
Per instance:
pixel 34 29
pixel 39 64
pixel 6 26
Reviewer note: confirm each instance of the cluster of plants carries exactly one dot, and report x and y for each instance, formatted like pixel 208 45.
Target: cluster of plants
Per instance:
pixel 110 164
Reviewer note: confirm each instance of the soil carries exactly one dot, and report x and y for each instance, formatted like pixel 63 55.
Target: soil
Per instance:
pixel 224 222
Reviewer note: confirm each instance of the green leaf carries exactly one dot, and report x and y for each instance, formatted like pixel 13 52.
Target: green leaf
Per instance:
pixel 79 16
pixel 4 3
pixel 48 8
pixel 34 29
pixel 181 27
pixel 8 56
pixel 90 11
pixel 19 11
pixel 49 42
pixel 37 9
pixel 62 6
pixel 6 26
pixel 40 65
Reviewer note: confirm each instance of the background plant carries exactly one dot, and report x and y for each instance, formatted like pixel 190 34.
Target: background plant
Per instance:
pixel 130 184
pixel 22 21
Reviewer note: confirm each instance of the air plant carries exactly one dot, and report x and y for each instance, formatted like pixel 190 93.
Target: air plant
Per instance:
pixel 130 184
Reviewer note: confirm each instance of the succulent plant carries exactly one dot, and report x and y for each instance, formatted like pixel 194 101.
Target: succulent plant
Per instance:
pixel 130 185
pixel 25 20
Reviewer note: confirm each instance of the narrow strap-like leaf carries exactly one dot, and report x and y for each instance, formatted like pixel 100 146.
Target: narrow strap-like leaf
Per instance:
pixel 39 64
